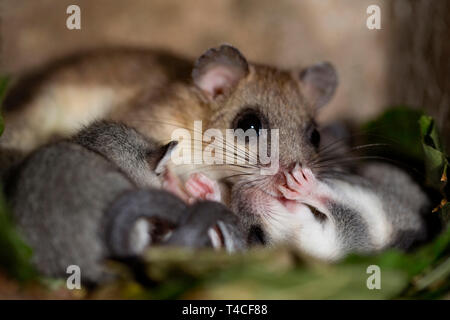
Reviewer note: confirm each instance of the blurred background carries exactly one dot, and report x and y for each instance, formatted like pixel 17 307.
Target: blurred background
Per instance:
pixel 404 63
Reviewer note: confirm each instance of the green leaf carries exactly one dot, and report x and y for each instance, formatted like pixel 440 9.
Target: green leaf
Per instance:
pixel 15 255
pixel 275 273
pixel 432 282
pixel 436 161
pixel 397 127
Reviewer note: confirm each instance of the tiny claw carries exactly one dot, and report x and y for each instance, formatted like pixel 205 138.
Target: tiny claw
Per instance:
pixel 202 187
pixel 288 193
pixel 309 175
pixel 292 184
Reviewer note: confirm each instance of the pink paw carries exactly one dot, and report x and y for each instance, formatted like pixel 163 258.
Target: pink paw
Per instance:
pixel 173 184
pixel 200 187
pixel 300 184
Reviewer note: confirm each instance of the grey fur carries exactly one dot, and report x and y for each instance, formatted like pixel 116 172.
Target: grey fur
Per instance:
pixel 404 206
pixel 127 148
pixel 404 202
pixel 155 207
pixel 353 230
pixel 203 217
pixel 59 195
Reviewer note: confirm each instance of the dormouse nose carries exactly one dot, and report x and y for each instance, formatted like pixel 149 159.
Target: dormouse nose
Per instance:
pixel 293 146
pixel 300 154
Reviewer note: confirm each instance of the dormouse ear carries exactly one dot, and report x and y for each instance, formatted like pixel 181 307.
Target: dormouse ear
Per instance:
pixel 318 83
pixel 219 69
pixel 162 157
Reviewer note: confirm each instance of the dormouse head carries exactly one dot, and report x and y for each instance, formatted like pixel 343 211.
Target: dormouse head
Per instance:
pixel 246 96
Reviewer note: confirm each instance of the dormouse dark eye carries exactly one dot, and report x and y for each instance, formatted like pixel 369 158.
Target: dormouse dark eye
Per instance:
pixel 314 137
pixel 249 120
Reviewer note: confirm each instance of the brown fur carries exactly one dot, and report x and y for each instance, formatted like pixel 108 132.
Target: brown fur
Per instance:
pixel 148 90
pixel 154 93
pixel 59 98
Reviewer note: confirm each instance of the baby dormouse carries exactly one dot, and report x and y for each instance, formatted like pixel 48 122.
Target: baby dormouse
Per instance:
pixel 100 195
